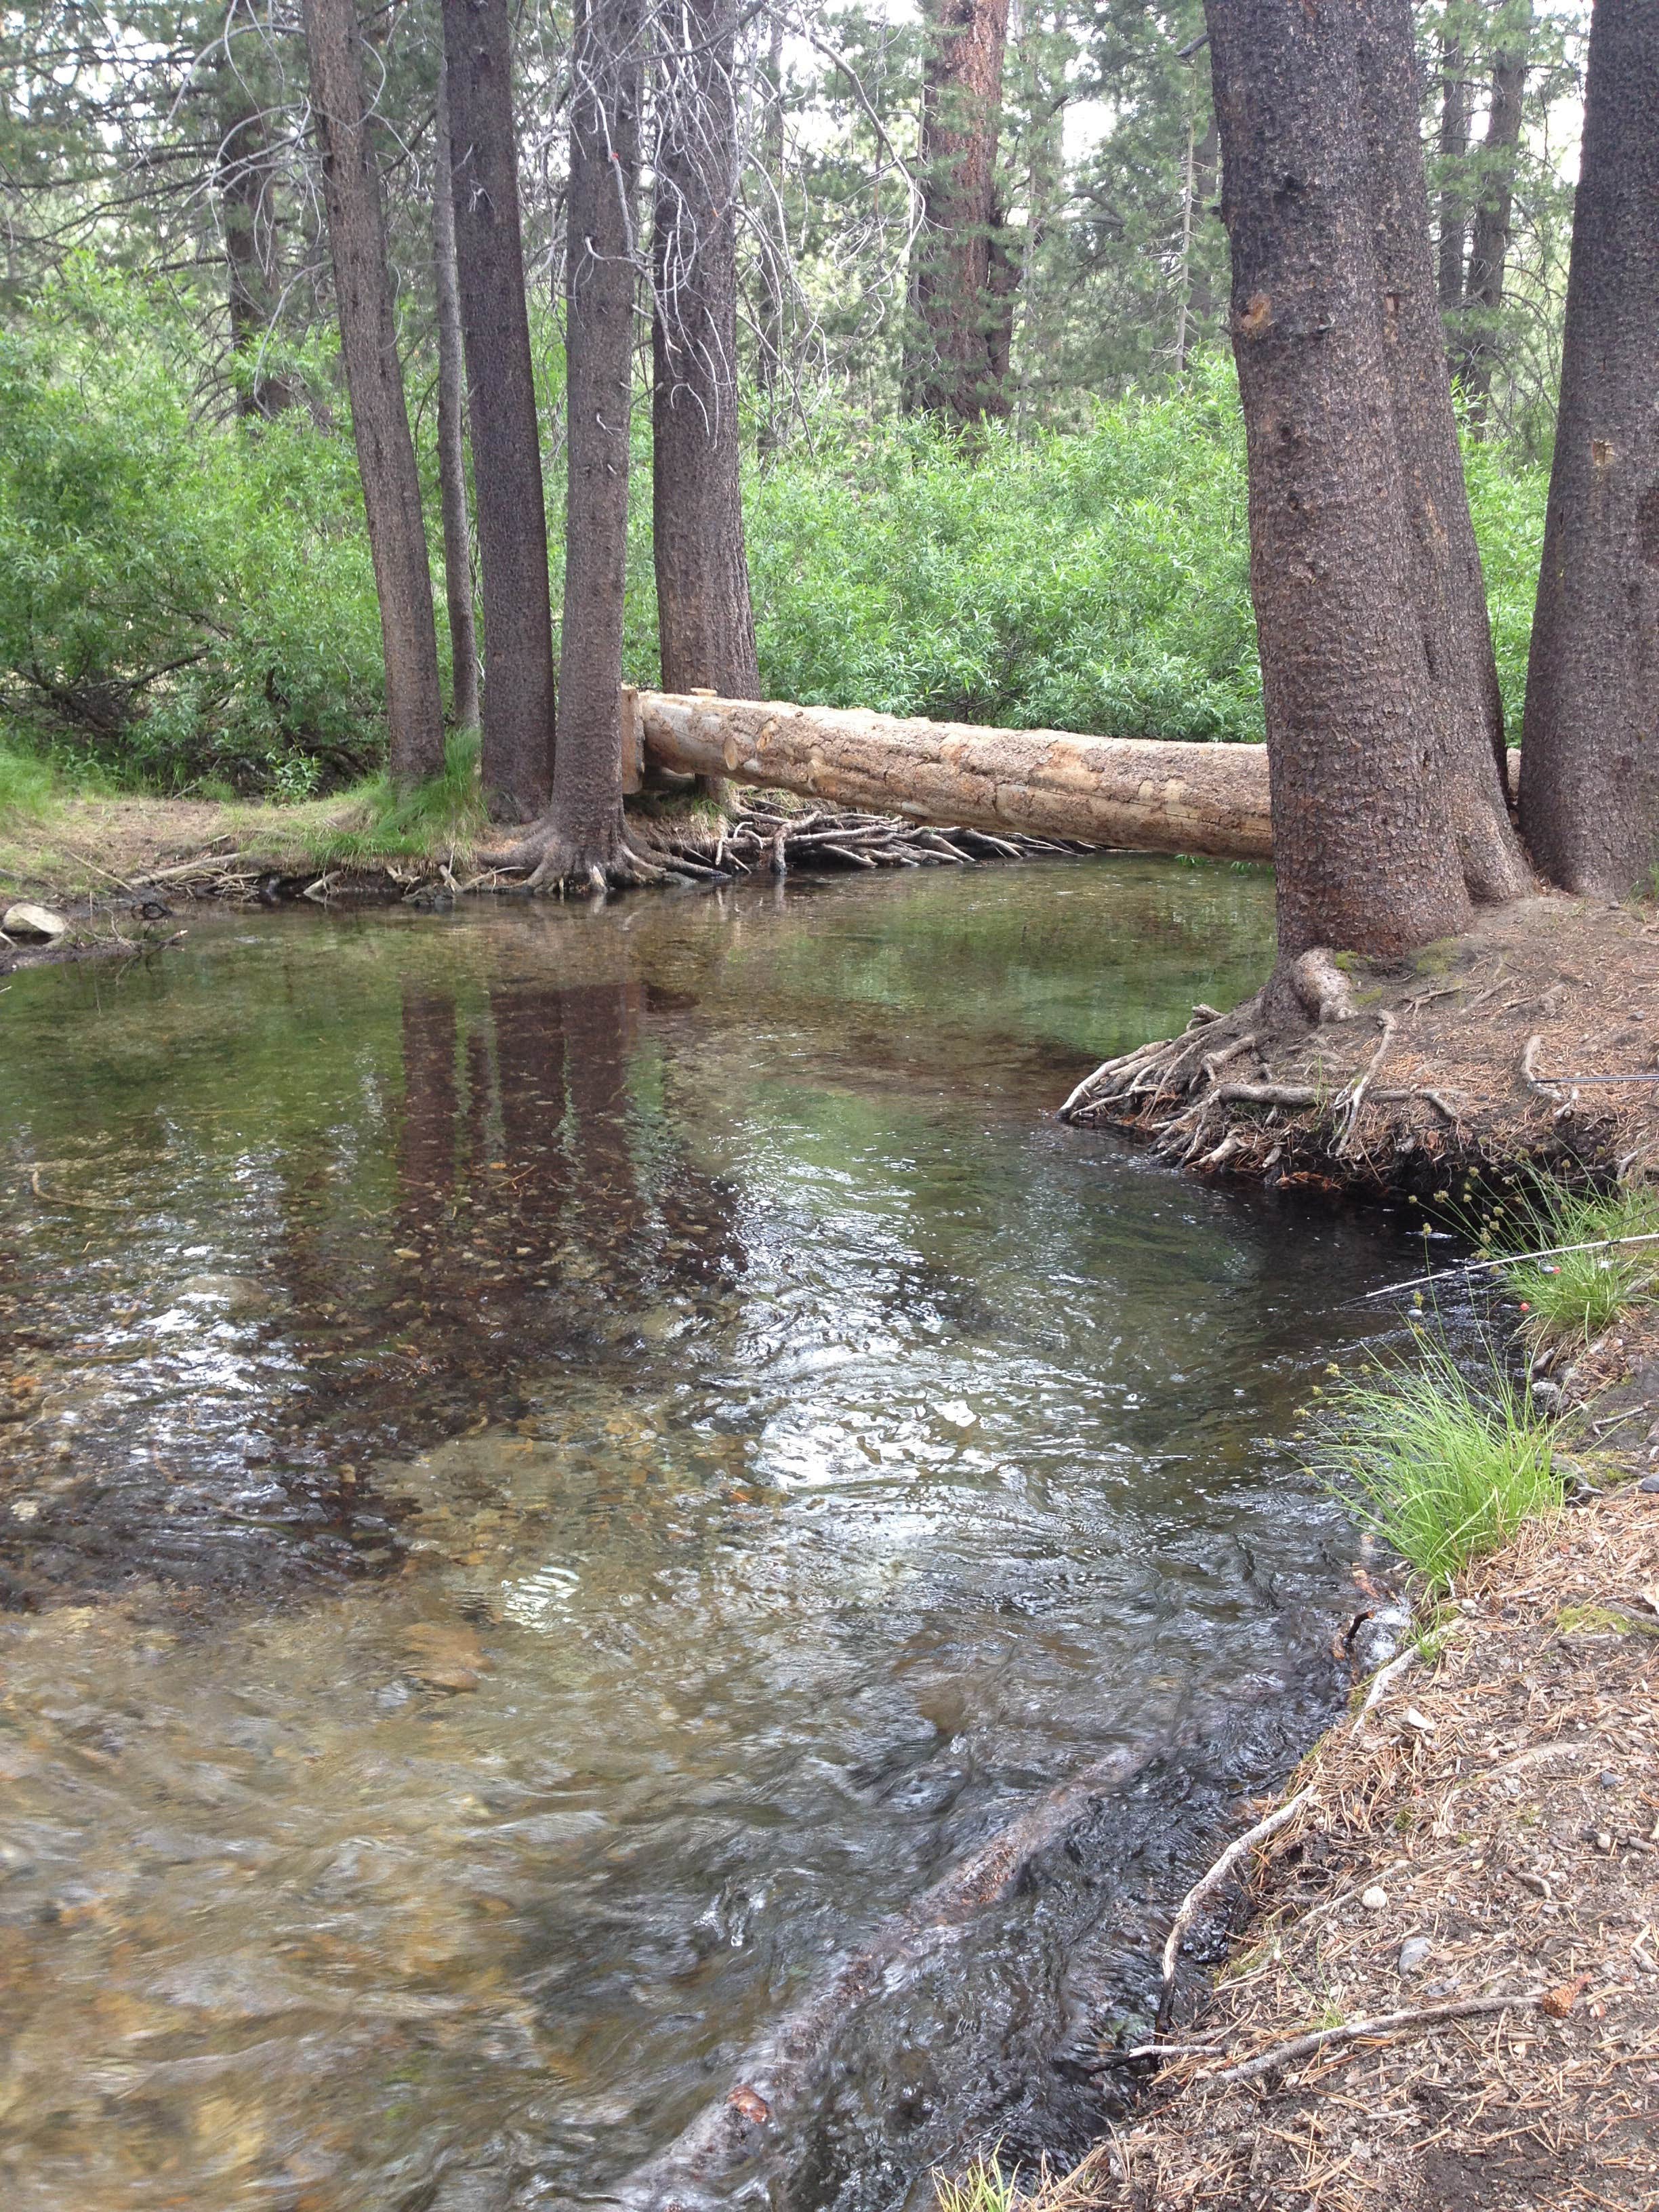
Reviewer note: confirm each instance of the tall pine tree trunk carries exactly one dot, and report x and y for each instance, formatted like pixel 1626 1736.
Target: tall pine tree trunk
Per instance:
pixel 1489 243
pixel 507 466
pixel 1453 153
pixel 704 619
pixel 380 417
pixel 1448 589
pixel 951 370
pixel 1364 854
pixel 582 836
pixel 452 432
pixel 1589 757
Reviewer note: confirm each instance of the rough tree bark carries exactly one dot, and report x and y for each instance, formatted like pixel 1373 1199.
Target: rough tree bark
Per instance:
pixel 1489 243
pixel 1131 793
pixel 380 417
pixel 507 466
pixel 951 371
pixel 704 619
pixel 1448 588
pixel 1365 856
pixel 1589 758
pixel 580 838
pixel 452 432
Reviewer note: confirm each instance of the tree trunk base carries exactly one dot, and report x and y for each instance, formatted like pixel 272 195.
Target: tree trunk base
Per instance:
pixel 1379 1078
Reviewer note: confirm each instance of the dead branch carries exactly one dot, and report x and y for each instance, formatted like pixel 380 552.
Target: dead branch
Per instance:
pixel 1209 1883
pixel 1280 2055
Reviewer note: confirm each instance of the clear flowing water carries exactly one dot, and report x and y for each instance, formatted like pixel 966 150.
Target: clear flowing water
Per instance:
pixel 558 1464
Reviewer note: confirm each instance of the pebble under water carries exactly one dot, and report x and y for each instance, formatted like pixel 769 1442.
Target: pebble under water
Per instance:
pixel 560 1464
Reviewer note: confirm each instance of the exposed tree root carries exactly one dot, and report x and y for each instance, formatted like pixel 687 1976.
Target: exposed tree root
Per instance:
pixel 1351 1073
pixel 763 838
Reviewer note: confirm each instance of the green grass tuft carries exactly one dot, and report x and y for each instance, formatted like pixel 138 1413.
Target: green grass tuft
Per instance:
pixel 983 2188
pixel 1574 1296
pixel 448 810
pixel 27 785
pixel 1444 1468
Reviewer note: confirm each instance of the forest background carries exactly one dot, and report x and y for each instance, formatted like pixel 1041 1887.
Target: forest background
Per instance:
pixel 186 598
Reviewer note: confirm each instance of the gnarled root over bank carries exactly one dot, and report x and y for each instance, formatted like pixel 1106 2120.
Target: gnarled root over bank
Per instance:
pixel 763 837
pixel 1535 1036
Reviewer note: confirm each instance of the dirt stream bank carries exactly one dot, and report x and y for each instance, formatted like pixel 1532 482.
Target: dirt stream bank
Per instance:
pixel 122 874
pixel 1534 1038
pixel 1473 1870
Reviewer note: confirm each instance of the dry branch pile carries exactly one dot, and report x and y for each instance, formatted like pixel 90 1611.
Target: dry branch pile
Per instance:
pixel 768 836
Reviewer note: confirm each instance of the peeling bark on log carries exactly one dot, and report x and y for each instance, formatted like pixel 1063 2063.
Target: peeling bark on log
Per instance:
pixel 1135 794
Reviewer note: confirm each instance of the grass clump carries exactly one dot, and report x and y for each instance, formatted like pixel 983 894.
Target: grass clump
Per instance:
pixel 1443 1467
pixel 1573 1295
pixel 27 786
pixel 446 813
pixel 983 2188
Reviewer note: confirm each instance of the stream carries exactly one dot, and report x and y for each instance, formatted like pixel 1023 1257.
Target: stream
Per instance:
pixel 559 1464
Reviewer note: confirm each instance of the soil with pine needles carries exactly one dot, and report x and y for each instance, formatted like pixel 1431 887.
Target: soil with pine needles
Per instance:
pixel 1476 1861
pixel 1472 1056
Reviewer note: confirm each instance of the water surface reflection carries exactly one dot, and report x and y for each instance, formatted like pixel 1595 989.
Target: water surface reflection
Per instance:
pixel 624 1443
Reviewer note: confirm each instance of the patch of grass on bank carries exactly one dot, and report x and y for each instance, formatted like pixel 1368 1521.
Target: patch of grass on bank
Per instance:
pixel 442 815
pixel 1444 1469
pixel 1572 1296
pixel 27 786
pixel 983 2188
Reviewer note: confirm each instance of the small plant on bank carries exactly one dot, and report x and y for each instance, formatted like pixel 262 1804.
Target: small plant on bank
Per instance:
pixel 1444 1469
pixel 448 810
pixel 1573 1295
pixel 983 2188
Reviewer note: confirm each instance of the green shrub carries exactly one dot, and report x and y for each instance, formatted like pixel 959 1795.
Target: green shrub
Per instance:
pixel 1444 1469
pixel 1095 581
pixel 182 600
pixel 1572 1296
pixel 190 601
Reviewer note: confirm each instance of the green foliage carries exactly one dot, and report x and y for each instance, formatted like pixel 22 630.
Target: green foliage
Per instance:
pixel 983 2188
pixel 180 600
pixel 1444 1469
pixel 191 603
pixel 1506 500
pixel 1096 581
pixel 1573 1296
pixel 27 785
pixel 447 810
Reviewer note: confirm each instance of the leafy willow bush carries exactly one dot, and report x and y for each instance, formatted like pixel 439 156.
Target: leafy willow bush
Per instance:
pixel 190 602
pixel 1094 581
pixel 182 599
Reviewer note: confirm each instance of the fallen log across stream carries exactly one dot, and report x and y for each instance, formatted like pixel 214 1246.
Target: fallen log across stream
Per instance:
pixel 1135 794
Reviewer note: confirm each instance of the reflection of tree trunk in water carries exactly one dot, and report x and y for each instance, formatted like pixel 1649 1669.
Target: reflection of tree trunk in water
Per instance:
pixel 426 1140
pixel 602 1024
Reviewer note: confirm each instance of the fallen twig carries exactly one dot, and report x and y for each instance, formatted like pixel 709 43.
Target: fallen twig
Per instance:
pixel 1280 2055
pixel 1207 1885
pixel 1382 1682
pixel 1506 1260
pixel 1348 1105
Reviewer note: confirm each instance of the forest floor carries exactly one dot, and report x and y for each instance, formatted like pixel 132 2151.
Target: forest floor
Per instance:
pixel 1534 1037
pixel 1474 1876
